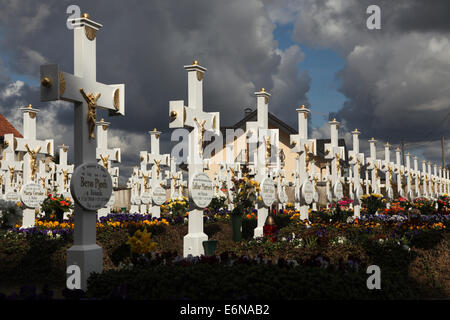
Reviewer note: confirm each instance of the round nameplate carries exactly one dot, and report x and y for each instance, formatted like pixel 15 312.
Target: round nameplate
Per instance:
pixel 308 192
pixel 338 190
pixel 91 186
pixel 201 190
pixel 359 193
pixel 282 196
pixel 12 196
pixel 32 195
pixel 267 192
pixel 112 200
pixel 158 195
pixel 146 197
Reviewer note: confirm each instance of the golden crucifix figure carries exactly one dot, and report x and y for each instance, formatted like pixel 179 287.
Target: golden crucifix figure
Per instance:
pixel 65 177
pixel 201 127
pixel 43 182
pixel 145 181
pixel 91 100
pixel 105 161
pixel 157 163
pixel 11 175
pixel 268 147
pixel 33 162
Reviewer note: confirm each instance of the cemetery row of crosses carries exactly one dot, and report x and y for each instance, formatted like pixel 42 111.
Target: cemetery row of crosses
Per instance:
pixel 29 173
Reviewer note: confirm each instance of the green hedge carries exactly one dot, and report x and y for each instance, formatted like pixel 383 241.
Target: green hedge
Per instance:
pixel 246 281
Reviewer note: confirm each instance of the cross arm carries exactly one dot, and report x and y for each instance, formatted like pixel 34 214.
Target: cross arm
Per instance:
pixel 59 85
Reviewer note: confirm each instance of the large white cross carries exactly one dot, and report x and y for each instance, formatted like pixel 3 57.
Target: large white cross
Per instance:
pixel 416 176
pixel 374 165
pixel 106 157
pixel 334 154
pixel 305 148
pixel 356 160
pixel 192 116
pixel 156 160
pixel 409 172
pixel 388 168
pixel 87 94
pixel 266 142
pixel 32 148
pixel 399 171
pixel 425 190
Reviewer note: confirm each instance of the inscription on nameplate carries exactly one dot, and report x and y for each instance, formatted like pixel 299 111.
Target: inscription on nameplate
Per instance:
pixel 32 195
pixel 158 195
pixel 146 197
pixel 267 192
pixel 12 196
pixel 91 186
pixel 201 190
pixel 308 192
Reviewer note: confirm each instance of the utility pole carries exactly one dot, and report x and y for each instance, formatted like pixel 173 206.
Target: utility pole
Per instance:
pixel 443 152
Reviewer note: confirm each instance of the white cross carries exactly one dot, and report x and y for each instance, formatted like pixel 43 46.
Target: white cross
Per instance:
pixel 104 155
pixel 87 94
pixel 10 166
pixel 388 168
pixel 305 149
pixel 416 176
pixel 156 160
pixel 192 116
pixel 334 154
pixel 32 148
pixel 356 160
pixel 374 165
pixel 63 171
pixel 263 145
pixel 401 171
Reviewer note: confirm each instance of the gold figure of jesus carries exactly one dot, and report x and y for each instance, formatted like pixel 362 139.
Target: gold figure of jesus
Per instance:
pixel 145 181
pixel 65 177
pixel 157 163
pixel 201 127
pixel 268 147
pixel 33 162
pixel 11 175
pixel 92 110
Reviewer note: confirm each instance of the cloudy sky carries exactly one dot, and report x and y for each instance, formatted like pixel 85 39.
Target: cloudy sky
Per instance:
pixel 392 84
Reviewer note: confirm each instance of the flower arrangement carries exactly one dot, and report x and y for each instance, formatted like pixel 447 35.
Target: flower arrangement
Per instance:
pixel 178 206
pixel 444 203
pixel 425 206
pixel 54 207
pixel 245 192
pixel 373 202
pixel 140 242
pixel 217 203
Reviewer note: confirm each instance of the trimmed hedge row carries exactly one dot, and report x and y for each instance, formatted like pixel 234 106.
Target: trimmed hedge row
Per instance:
pixel 246 281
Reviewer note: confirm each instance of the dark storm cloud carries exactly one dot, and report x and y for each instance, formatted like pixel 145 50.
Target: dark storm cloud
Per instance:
pixel 145 45
pixel 396 80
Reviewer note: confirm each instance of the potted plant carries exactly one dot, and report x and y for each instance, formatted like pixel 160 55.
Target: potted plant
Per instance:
pixel 245 192
pixel 54 207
